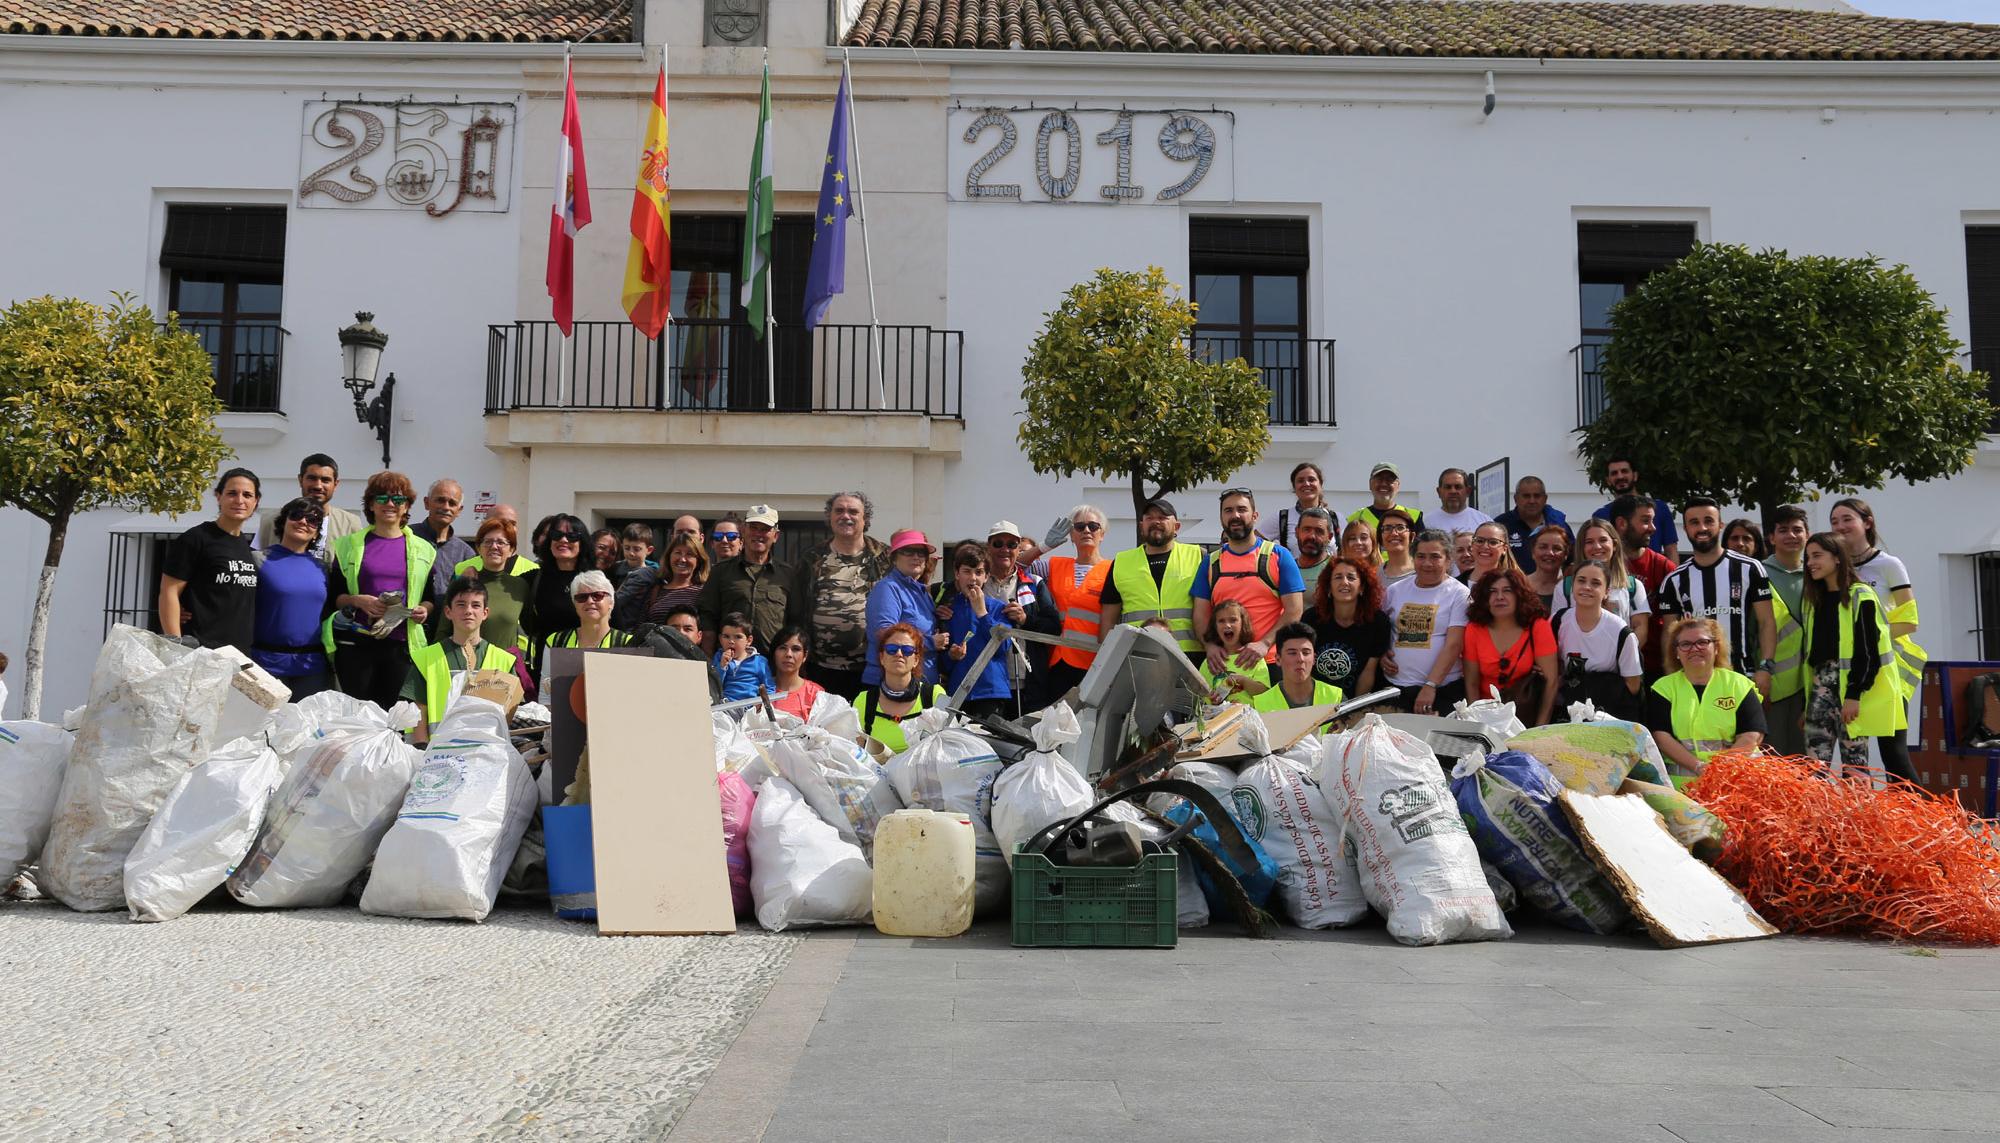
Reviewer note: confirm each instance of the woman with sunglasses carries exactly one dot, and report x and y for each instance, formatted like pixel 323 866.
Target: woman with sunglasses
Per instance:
pixel 1076 584
pixel 901 598
pixel 369 571
pixel 1702 708
pixel 648 593
pixel 725 540
pixel 291 600
pixel 590 603
pixel 1510 647
pixel 899 690
pixel 563 555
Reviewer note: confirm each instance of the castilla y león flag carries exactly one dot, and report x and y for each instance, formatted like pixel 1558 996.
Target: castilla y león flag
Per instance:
pixel 648 294
pixel 572 209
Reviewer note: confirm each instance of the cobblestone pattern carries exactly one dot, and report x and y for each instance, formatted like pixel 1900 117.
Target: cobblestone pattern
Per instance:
pixel 234 1024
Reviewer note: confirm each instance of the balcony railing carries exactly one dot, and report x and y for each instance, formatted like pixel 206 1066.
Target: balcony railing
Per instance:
pixel 1590 403
pixel 698 366
pixel 1298 373
pixel 246 358
pixel 1986 359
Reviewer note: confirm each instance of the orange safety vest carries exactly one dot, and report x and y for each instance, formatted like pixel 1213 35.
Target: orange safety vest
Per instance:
pixel 1079 606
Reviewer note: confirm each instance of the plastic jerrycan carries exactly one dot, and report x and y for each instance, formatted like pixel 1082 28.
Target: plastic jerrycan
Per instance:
pixel 923 874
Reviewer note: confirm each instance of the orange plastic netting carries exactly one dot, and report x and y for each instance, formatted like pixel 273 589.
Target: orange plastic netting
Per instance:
pixel 1817 855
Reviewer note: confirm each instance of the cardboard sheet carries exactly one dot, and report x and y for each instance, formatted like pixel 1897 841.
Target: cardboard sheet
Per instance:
pixel 656 818
pixel 1681 901
pixel 1285 728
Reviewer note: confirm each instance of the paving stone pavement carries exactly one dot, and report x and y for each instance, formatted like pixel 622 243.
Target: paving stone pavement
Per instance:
pixel 1552 1036
pixel 325 1024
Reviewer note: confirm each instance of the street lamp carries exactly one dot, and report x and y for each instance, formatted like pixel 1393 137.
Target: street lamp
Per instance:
pixel 360 356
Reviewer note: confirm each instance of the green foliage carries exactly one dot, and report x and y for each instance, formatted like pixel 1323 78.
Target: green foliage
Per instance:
pixel 99 408
pixel 1111 391
pixel 1752 376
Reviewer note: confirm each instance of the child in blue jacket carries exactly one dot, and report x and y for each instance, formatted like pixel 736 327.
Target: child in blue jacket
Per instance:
pixel 973 616
pixel 742 669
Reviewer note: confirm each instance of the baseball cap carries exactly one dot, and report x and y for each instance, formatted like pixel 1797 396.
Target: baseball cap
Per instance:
pixel 1004 528
pixel 761 514
pixel 1382 466
pixel 1161 505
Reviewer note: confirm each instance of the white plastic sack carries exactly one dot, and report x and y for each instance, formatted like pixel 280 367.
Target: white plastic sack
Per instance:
pixel 801 872
pixel 835 715
pixel 837 778
pixel 153 714
pixel 202 830
pixel 32 757
pixel 1586 711
pixel 1214 777
pixel 1491 713
pixel 733 749
pixel 1282 808
pixel 948 767
pixel 1043 788
pixel 1417 863
pixel 461 821
pixel 338 798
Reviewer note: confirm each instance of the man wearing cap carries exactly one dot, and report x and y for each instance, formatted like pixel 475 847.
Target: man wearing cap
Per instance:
pixel 829 594
pixel 1261 576
pixel 751 583
pixel 1027 605
pixel 1155 581
pixel 1383 484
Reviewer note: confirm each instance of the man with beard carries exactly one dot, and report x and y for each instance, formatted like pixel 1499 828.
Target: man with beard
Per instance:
pixel 1728 587
pixel 1314 539
pixel 319 479
pixel 1258 574
pixel 829 594
pixel 1453 513
pixel 1632 518
pixel 752 583
pixel 1622 478
pixel 1156 580
pixel 1384 482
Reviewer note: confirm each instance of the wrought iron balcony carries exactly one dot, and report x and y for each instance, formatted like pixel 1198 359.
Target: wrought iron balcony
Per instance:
pixel 1298 373
pixel 1590 402
pixel 247 359
pixel 714 366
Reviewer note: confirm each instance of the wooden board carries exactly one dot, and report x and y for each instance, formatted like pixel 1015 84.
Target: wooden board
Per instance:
pixel 655 815
pixel 1681 901
pixel 1285 729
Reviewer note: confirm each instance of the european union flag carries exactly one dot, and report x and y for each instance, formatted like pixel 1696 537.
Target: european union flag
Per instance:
pixel 827 275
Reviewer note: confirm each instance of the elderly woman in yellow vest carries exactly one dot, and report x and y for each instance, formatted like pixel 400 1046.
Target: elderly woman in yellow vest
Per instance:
pixel 370 570
pixel 462 648
pixel 1702 708
pixel 1852 662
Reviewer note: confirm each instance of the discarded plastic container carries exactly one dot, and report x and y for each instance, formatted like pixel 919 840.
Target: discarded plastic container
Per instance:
pixel 572 868
pixel 923 874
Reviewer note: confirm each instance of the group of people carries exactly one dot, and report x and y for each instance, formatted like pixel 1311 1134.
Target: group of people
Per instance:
pixel 1795 639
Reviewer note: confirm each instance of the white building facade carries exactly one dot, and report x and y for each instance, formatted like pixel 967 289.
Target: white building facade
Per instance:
pixel 1413 270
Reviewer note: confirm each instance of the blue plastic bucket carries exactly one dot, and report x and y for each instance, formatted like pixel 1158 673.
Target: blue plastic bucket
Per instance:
pixel 572 868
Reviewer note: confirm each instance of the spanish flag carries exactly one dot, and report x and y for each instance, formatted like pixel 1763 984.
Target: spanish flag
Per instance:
pixel 648 294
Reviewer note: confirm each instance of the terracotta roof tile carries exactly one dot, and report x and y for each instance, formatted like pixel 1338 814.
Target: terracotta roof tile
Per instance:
pixel 1479 28
pixel 448 21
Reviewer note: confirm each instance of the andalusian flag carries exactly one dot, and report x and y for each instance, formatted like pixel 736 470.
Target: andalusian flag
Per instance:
pixel 649 275
pixel 757 217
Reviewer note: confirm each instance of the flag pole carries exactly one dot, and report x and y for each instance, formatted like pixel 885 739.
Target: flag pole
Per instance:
pixel 867 255
pixel 562 355
pixel 770 280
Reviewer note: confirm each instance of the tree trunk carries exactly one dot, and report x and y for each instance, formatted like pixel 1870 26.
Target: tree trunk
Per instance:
pixel 1768 499
pixel 38 627
pixel 1139 502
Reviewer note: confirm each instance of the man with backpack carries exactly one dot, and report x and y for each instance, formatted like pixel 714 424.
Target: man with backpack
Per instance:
pixel 1257 573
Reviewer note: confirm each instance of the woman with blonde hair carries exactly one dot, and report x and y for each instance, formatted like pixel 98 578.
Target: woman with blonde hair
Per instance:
pixel 1702 708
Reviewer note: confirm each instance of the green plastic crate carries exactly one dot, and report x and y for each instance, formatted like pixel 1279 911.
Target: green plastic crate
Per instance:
pixel 1060 906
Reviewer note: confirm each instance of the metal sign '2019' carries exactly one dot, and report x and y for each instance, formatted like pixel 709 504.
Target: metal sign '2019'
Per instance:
pixel 1182 138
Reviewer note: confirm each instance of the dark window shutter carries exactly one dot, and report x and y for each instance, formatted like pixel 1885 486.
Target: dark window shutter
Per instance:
pixel 228 239
pixel 1982 286
pixel 1631 247
pixel 1248 245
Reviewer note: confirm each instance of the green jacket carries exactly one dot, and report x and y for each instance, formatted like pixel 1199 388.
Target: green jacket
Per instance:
pixel 418 556
pixel 762 592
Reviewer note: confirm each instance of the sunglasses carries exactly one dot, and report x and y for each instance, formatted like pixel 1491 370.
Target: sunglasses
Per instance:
pixel 1228 492
pixel 725 537
pixel 900 650
pixel 565 537
pixel 1004 545
pixel 591 596
pixel 388 498
pixel 310 515
pixel 1086 526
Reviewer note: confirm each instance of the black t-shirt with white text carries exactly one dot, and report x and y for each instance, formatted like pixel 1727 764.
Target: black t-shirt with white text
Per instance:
pixel 219 603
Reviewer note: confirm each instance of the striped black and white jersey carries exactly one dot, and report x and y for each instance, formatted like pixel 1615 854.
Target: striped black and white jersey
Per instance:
pixel 1724 592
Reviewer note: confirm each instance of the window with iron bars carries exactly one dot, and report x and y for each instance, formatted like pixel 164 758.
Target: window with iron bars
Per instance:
pixel 132 579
